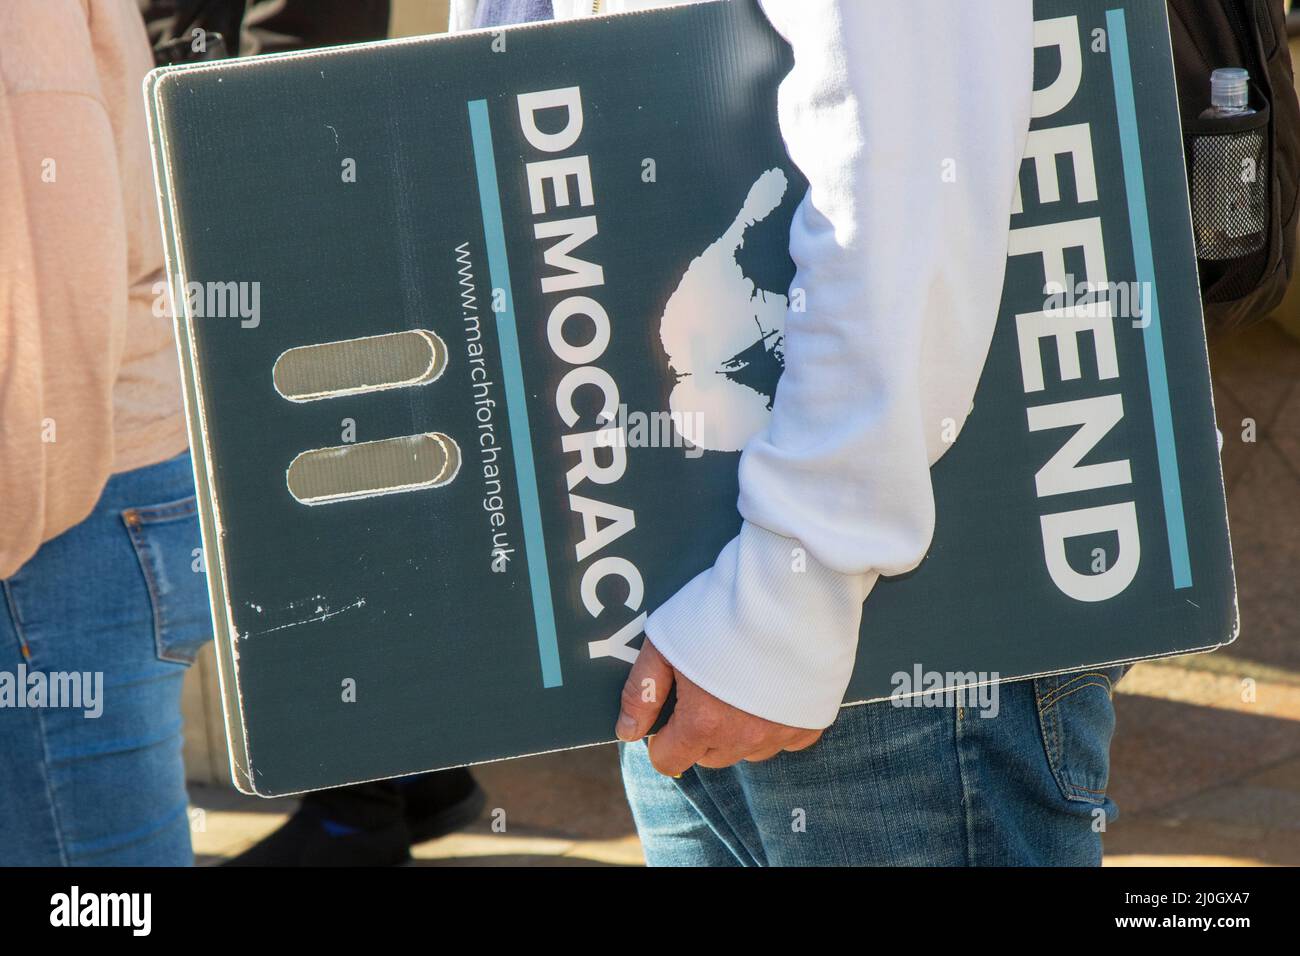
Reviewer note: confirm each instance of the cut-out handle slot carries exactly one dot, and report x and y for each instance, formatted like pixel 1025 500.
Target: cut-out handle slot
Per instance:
pixel 352 366
pixel 390 466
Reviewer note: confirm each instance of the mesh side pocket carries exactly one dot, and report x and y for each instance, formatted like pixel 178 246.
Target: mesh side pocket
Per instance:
pixel 1229 193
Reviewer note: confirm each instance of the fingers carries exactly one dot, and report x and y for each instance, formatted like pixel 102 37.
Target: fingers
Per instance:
pixel 644 693
pixel 702 730
pixel 797 740
pixel 716 758
pixel 675 749
pixel 804 740
pixel 724 749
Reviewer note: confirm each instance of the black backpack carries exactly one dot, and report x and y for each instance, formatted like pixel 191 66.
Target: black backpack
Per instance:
pixel 1241 282
pixel 233 27
pixel 192 31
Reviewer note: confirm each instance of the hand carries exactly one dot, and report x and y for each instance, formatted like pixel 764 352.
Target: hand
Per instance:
pixel 702 729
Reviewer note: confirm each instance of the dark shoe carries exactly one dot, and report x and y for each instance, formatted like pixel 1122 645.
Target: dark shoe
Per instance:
pixel 308 839
pixel 440 803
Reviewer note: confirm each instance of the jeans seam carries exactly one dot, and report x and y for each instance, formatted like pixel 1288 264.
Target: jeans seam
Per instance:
pixel 11 605
pixel 1049 720
pixel 156 514
pixel 967 801
pixel 1047 723
pixel 835 807
pixel 137 521
pixel 1074 690
pixel 1053 695
pixel 131 519
pixel 707 818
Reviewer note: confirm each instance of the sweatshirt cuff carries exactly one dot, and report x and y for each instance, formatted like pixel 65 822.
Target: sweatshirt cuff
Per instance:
pixel 768 629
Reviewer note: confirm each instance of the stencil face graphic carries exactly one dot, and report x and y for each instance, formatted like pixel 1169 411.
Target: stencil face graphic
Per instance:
pixel 723 334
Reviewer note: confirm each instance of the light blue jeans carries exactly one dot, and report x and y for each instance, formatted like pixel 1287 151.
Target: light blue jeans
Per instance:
pixel 118 602
pixel 889 786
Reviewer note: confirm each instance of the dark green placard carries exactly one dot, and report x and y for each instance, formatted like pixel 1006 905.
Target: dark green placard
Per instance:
pixel 368 190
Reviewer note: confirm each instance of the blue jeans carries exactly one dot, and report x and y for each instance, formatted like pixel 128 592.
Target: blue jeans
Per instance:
pixel 111 612
pixel 890 786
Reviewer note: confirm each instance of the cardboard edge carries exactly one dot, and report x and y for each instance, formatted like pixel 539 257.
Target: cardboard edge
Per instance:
pixel 1209 379
pixel 209 526
pixel 270 794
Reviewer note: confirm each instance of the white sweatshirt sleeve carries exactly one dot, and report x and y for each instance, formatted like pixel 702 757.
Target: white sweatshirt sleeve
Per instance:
pixel 460 15
pixel 909 119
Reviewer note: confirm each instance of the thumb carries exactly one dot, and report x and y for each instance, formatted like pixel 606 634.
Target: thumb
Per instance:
pixel 644 693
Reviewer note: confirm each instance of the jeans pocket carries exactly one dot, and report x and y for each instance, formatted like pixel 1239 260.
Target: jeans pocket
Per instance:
pixel 166 540
pixel 1077 719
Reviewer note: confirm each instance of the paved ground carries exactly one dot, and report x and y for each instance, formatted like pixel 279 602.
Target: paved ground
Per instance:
pixel 1206 764
pixel 1200 772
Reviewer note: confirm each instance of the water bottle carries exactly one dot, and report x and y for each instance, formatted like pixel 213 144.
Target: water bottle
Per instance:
pixel 1229 190
pixel 1229 94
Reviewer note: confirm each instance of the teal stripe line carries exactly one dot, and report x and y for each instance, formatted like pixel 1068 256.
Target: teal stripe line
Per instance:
pixel 512 370
pixel 1152 337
